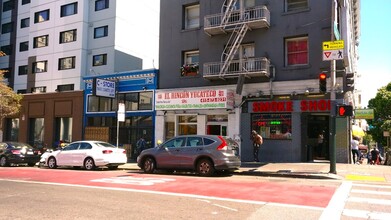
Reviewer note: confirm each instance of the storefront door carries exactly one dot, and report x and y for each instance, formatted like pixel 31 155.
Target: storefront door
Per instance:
pixel 318 136
pixel 216 128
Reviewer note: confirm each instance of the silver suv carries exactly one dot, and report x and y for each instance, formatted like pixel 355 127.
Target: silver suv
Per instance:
pixel 201 153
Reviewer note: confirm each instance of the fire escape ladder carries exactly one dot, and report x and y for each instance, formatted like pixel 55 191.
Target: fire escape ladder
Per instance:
pixel 232 47
pixel 227 9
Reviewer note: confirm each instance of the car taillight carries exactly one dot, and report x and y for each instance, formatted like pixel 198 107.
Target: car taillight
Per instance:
pixel 223 145
pixel 107 151
pixel 15 151
pixel 124 152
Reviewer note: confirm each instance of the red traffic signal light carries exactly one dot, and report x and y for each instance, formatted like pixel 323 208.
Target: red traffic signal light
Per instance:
pixel 344 110
pixel 323 82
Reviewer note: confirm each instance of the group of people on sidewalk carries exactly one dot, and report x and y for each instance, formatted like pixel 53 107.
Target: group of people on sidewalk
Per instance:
pixel 374 157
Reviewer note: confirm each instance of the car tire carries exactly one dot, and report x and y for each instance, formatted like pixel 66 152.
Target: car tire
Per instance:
pixel 52 163
pixel 149 165
pixel 89 164
pixel 205 167
pixel 4 162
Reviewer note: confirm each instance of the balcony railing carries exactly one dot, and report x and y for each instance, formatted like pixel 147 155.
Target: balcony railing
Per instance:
pixel 251 67
pixel 255 18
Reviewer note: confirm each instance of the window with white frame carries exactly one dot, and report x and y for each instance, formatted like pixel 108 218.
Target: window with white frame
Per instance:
pixel 192 16
pixel 69 9
pixel 41 41
pixel 187 124
pixel 41 16
pixel 191 63
pixel 68 36
pixel 295 5
pixel 40 66
pixel 99 60
pixel 66 63
pixel 296 50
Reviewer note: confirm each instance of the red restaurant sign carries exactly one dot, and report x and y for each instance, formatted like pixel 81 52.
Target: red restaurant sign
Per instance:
pixel 287 106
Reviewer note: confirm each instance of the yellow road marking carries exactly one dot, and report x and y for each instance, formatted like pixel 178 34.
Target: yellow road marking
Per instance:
pixel 365 178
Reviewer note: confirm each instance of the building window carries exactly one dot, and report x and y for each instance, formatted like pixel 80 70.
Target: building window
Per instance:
pixel 101 4
pixel 69 9
pixel 21 91
pixel 66 63
pixel 23 70
pixel 296 51
pixel 101 32
pixel 42 16
pixel 63 129
pixel 13 129
pixel 25 22
pixel 24 2
pixel 187 124
pixel 68 36
pixel 295 5
pixel 272 126
pixel 67 87
pixel 23 46
pixel 7 49
pixel 9 5
pixel 146 100
pixel 7 28
pixel 40 66
pixel 99 60
pixel 191 63
pixel 37 131
pixel 192 16
pixel 41 41
pixel 40 89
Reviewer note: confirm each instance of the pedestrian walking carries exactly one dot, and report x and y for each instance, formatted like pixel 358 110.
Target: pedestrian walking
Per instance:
pixel 140 145
pixel 257 142
pixel 320 144
pixel 355 151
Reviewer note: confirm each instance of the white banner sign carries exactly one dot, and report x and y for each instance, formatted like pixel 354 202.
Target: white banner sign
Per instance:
pixel 194 99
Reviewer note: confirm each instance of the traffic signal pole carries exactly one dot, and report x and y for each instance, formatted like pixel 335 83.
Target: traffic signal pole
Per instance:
pixel 332 144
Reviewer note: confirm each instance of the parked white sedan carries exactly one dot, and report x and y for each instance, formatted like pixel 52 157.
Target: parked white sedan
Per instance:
pixel 86 154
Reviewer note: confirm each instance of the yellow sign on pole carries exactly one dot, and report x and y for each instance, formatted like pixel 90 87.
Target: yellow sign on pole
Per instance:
pixel 333 45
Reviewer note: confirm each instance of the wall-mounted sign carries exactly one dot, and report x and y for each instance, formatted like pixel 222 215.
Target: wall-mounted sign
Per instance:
pixel 194 99
pixel 364 114
pixel 102 87
pixel 321 105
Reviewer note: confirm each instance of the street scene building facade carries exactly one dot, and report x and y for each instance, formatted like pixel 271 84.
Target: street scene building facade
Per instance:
pixel 230 67
pixel 48 46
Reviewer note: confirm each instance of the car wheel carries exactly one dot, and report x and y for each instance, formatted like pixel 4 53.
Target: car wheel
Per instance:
pixel 205 167
pixel 89 164
pixel 52 163
pixel 112 167
pixel 149 165
pixel 4 162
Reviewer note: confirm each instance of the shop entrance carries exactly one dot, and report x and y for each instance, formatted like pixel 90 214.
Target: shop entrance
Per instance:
pixel 317 137
pixel 216 128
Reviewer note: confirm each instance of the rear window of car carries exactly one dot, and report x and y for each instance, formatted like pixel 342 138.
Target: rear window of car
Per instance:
pixel 20 145
pixel 208 141
pixel 104 144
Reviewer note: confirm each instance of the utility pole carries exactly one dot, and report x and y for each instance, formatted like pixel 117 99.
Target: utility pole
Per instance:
pixel 332 147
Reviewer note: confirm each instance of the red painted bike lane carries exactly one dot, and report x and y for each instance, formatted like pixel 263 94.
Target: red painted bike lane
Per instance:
pixel 250 190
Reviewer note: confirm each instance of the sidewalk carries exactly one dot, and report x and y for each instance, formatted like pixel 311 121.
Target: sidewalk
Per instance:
pixel 311 170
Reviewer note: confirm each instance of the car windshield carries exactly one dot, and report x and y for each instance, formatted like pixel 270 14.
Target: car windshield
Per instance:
pixel 20 145
pixel 104 144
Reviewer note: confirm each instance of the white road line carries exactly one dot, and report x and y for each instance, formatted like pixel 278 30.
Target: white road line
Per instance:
pixel 372 186
pixel 225 207
pixel 371 192
pixel 370 201
pixel 172 194
pixel 337 202
pixel 366 214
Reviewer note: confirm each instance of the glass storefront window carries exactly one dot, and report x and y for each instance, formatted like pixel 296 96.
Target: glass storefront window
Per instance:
pixel 272 126
pixel 187 124
pixel 217 118
pixel 93 103
pixel 145 101
pixel 63 129
pixel 37 128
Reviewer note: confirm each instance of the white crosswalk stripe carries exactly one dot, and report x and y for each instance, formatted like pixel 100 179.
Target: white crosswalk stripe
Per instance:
pixel 373 202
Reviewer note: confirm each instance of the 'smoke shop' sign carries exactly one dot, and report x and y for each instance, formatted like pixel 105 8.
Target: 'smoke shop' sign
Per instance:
pixel 292 106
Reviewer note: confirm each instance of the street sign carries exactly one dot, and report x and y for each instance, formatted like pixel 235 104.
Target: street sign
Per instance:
pixel 332 55
pixel 364 114
pixel 344 110
pixel 333 45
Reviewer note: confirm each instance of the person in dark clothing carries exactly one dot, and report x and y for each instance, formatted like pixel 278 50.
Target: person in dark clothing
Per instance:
pixel 257 142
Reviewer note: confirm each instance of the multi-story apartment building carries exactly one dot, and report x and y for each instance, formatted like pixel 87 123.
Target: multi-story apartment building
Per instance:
pixel 232 66
pixel 48 47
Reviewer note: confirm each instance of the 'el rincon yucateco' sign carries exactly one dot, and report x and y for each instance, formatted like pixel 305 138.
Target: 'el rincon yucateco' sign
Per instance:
pixel 194 99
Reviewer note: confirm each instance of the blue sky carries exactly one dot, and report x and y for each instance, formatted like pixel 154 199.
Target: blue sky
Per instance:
pixel 374 64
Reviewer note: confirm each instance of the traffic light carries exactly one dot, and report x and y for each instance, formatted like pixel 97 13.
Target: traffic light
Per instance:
pixel 349 81
pixel 344 110
pixel 323 82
